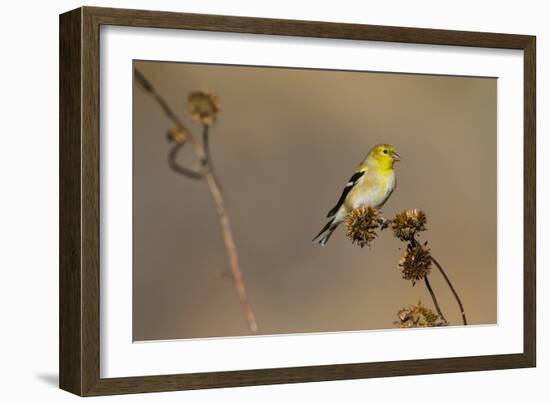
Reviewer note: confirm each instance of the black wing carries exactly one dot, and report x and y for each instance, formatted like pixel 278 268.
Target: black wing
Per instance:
pixel 351 183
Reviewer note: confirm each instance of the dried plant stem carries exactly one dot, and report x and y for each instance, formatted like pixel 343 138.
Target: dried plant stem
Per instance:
pixel 208 156
pixel 227 233
pixel 147 86
pixel 414 242
pixel 172 161
pixel 444 274
pixel 206 172
pixel 429 287
pixel 440 268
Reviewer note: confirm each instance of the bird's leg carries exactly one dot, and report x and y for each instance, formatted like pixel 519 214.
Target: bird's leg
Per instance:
pixel 384 223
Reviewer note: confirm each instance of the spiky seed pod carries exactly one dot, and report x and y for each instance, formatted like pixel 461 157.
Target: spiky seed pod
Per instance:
pixel 203 107
pixel 177 135
pixel 417 316
pixel 407 224
pixel 416 263
pixel 362 224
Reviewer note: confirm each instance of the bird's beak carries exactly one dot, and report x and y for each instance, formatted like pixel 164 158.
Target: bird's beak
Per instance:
pixel 395 156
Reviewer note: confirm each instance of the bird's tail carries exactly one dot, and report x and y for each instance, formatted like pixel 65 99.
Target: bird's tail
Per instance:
pixel 324 235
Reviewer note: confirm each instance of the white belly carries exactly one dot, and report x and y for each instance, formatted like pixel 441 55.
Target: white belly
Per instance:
pixel 373 191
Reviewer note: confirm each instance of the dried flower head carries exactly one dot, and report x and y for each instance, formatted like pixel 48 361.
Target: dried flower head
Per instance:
pixel 416 263
pixel 203 107
pixel 178 135
pixel 362 224
pixel 407 224
pixel 417 316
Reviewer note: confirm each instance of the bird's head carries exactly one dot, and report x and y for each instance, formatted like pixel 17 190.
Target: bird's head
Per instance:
pixel 383 156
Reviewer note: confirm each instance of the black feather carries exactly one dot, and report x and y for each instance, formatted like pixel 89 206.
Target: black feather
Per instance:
pixel 351 183
pixel 327 226
pixel 327 236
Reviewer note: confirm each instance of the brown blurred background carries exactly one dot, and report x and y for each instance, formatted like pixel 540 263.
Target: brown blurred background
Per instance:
pixel 286 142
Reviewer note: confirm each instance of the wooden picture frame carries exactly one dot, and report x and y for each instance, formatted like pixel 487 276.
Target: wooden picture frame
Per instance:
pixel 79 201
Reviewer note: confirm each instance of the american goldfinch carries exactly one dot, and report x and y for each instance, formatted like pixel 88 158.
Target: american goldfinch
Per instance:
pixel 371 185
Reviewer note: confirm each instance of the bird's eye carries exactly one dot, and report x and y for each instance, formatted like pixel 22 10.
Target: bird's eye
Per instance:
pixel 385 151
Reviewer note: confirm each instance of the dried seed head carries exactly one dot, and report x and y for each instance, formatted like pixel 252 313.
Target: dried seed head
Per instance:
pixel 407 224
pixel 177 135
pixel 417 316
pixel 416 263
pixel 362 224
pixel 203 107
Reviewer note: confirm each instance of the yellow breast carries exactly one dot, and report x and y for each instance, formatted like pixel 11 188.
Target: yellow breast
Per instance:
pixel 373 190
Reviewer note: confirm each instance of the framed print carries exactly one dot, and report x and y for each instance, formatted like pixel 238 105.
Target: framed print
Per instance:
pixel 248 201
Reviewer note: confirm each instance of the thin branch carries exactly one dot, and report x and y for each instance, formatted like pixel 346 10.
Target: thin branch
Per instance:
pixel 206 144
pixel 208 156
pixel 147 86
pixel 172 161
pixel 229 241
pixel 453 290
pixel 414 242
pixel 202 152
pixel 429 287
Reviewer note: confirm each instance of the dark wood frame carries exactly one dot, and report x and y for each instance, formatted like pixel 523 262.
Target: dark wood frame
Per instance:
pixel 79 201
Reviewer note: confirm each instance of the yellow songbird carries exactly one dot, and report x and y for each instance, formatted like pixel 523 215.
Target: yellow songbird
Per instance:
pixel 371 185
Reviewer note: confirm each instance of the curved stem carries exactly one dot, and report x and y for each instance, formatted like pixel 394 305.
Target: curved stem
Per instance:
pixel 202 152
pixel 464 321
pixel 172 161
pixel 429 287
